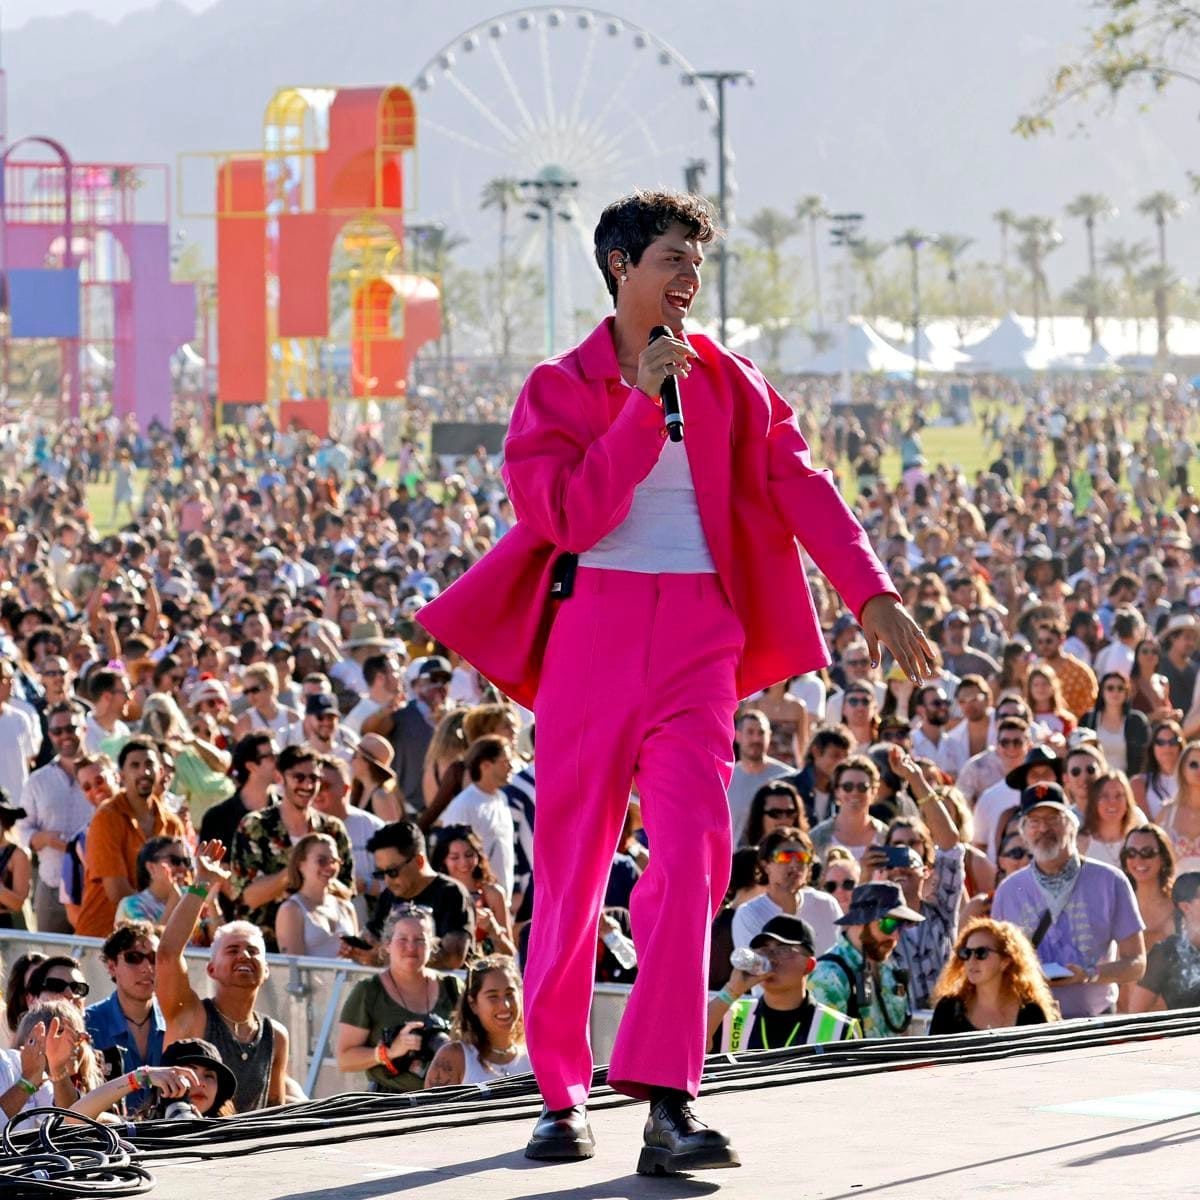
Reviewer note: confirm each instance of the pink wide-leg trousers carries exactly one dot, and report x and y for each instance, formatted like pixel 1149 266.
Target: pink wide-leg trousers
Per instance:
pixel 637 684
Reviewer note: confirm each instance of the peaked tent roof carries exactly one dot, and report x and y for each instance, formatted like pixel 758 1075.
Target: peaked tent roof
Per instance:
pixel 854 343
pixel 1008 348
pixel 941 357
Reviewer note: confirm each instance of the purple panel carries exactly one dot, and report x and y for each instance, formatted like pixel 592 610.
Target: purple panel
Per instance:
pixel 44 304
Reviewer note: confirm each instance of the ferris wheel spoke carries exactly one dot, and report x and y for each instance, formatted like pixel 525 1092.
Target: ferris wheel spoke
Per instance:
pixel 585 72
pixel 618 88
pixel 479 106
pixel 547 76
pixel 510 83
pixel 463 139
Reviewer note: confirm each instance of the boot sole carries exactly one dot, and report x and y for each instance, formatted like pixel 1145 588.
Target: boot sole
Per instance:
pixel 656 1161
pixel 561 1150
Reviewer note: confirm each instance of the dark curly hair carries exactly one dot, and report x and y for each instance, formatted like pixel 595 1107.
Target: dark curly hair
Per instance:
pixel 631 223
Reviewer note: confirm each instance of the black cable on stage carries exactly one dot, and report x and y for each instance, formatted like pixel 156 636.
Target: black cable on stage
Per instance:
pixel 93 1160
pixel 363 1115
pixel 85 1159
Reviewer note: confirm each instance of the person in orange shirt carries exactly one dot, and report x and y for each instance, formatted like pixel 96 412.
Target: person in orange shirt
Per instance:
pixel 119 829
pixel 1075 677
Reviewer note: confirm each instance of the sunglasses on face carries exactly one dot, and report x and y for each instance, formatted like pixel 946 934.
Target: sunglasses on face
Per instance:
pixel 791 856
pixel 1015 852
pixel 856 702
pixel 779 814
pixel 58 986
pixel 856 662
pixel 1090 769
pixel 135 958
pixel 888 925
pixel 52 674
pixel 1172 741
pixel 61 730
pixel 304 777
pixel 176 860
pixel 839 885
pixel 251 691
pixel 849 786
pixel 392 873
pixel 1010 743
pixel 981 953
pixel 1146 852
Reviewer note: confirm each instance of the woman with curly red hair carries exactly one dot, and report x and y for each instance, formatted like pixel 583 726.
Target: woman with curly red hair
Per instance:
pixel 992 981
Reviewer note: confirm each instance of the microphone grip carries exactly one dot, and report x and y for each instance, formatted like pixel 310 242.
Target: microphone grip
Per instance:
pixel 672 410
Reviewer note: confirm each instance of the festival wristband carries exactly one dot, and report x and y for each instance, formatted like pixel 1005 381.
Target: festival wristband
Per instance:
pixel 385 1059
pixel 25 1086
pixel 725 996
pixel 197 889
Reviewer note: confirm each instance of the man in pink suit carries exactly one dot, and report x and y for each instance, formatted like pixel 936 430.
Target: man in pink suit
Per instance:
pixel 688 591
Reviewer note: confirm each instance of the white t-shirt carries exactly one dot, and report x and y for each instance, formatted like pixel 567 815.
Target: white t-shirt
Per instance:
pixel 10 1072
pixel 819 909
pixel 354 719
pixel 95 733
pixel 991 806
pixel 1116 656
pixel 950 752
pixel 19 743
pixel 489 816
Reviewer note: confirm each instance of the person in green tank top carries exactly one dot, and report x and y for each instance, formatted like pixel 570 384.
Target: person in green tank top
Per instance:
pixel 784 1015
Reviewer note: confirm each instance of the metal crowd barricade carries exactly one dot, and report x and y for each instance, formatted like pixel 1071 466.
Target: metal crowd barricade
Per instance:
pixel 305 995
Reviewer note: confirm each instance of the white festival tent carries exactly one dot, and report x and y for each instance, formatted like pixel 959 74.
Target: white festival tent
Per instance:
pixel 940 355
pixel 1009 347
pixel 853 345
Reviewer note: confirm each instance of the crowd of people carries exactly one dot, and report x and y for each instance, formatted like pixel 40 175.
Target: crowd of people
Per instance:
pixel 225 728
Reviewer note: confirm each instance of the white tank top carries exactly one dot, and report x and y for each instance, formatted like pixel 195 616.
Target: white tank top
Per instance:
pixel 481 1072
pixel 662 534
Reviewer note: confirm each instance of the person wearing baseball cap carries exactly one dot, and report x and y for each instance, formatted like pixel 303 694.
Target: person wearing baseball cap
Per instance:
pixel 857 977
pixel 785 1014
pixel 1081 915
pixel 322 729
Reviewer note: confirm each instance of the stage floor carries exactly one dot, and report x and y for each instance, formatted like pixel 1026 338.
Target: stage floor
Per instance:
pixel 1115 1120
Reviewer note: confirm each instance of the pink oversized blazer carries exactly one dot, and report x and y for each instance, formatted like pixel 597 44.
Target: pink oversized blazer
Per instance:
pixel 580 442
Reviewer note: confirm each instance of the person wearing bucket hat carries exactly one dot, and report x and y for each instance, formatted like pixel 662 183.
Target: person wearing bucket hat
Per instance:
pixel 217 1083
pixel 785 1014
pixel 1081 915
pixel 857 977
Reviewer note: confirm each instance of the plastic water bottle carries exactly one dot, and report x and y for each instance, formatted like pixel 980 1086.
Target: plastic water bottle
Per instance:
pixel 622 948
pixel 745 959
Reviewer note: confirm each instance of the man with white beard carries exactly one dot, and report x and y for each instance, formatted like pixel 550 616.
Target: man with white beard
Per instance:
pixel 1081 915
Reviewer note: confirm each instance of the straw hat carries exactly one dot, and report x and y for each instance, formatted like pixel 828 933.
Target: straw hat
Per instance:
pixel 378 751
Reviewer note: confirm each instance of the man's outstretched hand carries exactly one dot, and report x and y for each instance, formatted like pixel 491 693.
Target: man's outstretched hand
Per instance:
pixel 885 619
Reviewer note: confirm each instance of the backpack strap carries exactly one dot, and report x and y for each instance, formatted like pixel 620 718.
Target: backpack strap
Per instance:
pixel 851 981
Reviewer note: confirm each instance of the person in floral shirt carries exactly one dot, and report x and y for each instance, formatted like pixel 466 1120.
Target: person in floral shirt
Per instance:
pixel 264 841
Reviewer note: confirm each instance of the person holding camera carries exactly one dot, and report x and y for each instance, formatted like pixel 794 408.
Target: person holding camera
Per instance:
pixel 395 1022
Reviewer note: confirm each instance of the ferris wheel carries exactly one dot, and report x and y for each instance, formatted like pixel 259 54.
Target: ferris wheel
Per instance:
pixel 571 107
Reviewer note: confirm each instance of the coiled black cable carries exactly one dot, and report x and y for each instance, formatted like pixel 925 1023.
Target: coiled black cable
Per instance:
pixel 83 1159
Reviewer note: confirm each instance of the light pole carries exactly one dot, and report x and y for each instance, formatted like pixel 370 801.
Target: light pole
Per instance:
pixel 914 239
pixel 720 79
pixel 546 192
pixel 843 234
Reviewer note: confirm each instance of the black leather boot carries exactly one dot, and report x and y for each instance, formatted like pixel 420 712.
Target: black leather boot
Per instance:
pixel 677 1142
pixel 562 1133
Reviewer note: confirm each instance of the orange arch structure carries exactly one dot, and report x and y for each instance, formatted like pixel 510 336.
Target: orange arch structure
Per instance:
pixel 309 230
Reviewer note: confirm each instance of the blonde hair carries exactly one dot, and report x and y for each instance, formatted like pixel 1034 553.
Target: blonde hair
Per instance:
pixel 1022 977
pixel 295 879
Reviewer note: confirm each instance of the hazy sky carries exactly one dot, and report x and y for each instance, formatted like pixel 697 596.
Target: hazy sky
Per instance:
pixel 15 13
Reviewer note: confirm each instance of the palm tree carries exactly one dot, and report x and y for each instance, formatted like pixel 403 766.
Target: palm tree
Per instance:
pixel 914 239
pixel 865 253
pixel 1039 237
pixel 502 194
pixel 950 247
pixel 1161 207
pixel 772 229
pixel 1127 258
pixel 812 209
pixel 1088 206
pixel 1006 219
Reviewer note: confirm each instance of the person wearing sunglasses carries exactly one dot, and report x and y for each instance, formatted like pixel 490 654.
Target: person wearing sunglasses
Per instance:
pixel 830 746
pixel 840 876
pixel 776 805
pixel 59 977
pixel 1037 764
pixel 782 1014
pixel 1080 915
pixel 1181 819
pixel 1151 691
pixel 128 1027
pixel 1122 731
pixel 1172 977
pixel 1149 864
pixel 992 981
pixel 858 977
pixel 754 767
pixel 855 785
pixel 164 866
pixel 264 713
pixel 313 921
pixel 1157 785
pixel 264 840
pixel 785 857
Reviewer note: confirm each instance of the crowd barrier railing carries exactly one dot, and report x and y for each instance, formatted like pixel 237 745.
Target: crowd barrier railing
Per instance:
pixel 305 995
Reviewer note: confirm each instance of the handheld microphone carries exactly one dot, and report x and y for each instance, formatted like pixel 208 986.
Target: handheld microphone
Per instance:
pixel 181 1110
pixel 672 410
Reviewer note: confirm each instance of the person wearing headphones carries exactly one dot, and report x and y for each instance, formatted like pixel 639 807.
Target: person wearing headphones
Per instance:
pixel 785 1014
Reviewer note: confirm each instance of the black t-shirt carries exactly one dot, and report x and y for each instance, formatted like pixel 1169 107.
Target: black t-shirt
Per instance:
pixel 776 1028
pixel 453 909
pixel 221 821
pixel 950 1016
pixel 1173 972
